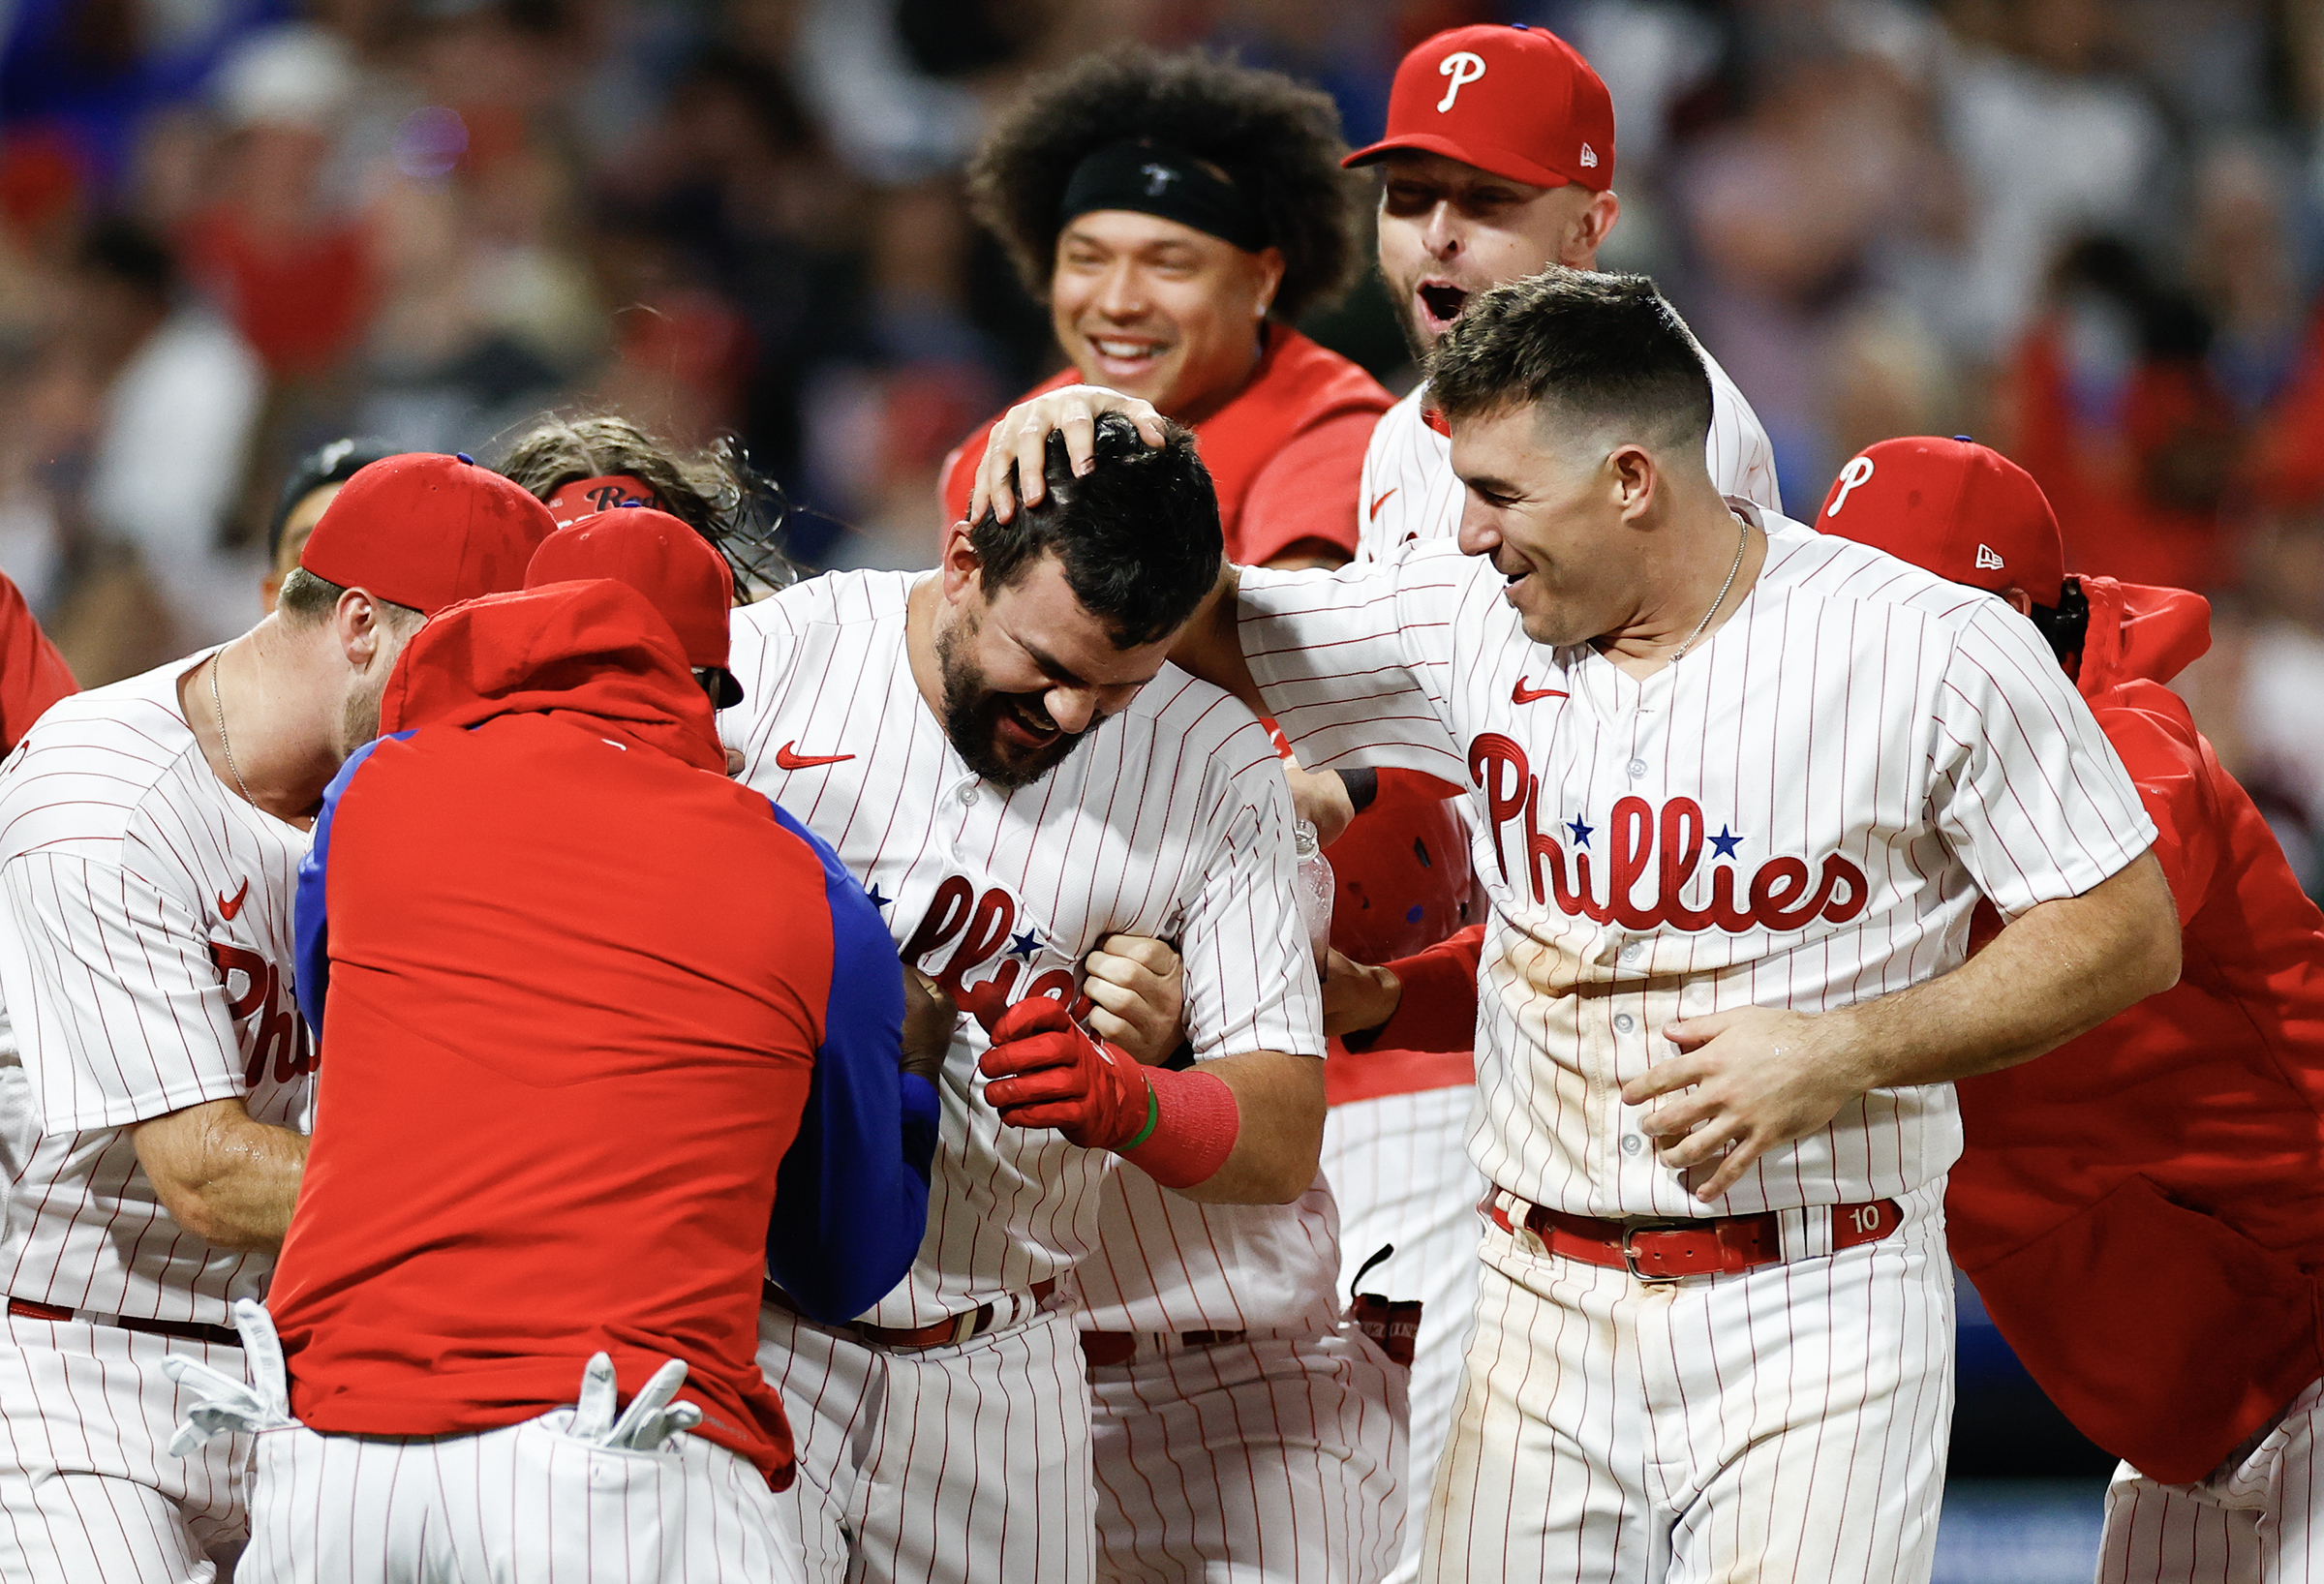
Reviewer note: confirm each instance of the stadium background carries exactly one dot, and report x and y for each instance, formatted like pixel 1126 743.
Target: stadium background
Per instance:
pixel 2090 234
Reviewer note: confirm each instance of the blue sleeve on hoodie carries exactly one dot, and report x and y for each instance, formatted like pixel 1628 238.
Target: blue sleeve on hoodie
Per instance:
pixel 851 1200
pixel 310 908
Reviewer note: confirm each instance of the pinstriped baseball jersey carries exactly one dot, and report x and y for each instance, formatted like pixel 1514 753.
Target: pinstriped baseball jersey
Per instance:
pixel 1410 490
pixel 1801 813
pixel 145 961
pixel 1171 820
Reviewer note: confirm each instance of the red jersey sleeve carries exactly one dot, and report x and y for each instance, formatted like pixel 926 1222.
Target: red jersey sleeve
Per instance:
pixel 1308 491
pixel 33 675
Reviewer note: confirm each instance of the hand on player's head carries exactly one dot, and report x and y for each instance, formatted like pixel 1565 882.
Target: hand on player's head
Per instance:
pixel 1016 446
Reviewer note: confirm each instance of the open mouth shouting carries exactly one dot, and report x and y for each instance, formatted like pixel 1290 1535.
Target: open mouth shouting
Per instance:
pixel 1440 303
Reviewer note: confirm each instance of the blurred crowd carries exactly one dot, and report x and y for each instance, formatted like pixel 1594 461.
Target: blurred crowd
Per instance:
pixel 2088 232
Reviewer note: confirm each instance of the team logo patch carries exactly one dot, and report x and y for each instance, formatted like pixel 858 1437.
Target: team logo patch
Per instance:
pixel 1988 561
pixel 1157 177
pixel 1464 67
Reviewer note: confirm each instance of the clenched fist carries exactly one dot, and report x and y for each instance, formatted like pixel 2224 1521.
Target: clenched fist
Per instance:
pixel 1047 1073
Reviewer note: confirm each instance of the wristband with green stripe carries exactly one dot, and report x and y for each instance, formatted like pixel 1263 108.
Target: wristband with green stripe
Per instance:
pixel 1154 1114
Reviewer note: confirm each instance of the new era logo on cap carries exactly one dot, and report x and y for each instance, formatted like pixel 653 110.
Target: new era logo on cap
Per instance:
pixel 1589 157
pixel 1987 560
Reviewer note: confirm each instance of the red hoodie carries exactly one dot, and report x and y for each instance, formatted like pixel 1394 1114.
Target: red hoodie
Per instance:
pixel 576 979
pixel 2141 1209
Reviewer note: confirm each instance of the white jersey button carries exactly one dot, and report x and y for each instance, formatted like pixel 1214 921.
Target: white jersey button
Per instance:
pixel 1637 767
pixel 1624 1022
pixel 1632 1145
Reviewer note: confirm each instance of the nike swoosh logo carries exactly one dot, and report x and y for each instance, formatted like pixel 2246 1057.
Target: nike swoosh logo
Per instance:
pixel 786 759
pixel 1381 500
pixel 1524 694
pixel 225 909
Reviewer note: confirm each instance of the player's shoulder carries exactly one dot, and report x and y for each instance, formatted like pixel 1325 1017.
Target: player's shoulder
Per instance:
pixel 1826 567
pixel 94 762
pixel 1188 722
pixel 829 600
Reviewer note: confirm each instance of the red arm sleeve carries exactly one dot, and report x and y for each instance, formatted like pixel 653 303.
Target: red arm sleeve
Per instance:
pixel 1307 492
pixel 1437 1010
pixel 33 675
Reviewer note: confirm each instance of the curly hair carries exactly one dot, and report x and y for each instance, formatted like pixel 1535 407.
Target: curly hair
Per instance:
pixel 1277 139
pixel 713 492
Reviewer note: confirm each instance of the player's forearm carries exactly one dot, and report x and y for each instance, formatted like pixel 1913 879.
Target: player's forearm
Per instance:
pixel 2058 971
pixel 1279 1138
pixel 225 1177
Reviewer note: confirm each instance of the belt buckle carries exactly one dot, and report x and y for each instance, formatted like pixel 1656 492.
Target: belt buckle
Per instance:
pixel 1629 1255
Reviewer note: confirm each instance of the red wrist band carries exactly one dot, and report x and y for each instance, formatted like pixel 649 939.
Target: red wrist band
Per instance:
pixel 1195 1123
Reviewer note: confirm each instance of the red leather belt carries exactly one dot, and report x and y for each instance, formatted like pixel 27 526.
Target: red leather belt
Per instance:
pixel 1103 1348
pixel 949 1332
pixel 185 1330
pixel 1670 1250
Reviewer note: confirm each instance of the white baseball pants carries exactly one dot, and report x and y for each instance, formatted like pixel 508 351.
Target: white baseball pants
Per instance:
pixel 1399 1168
pixel 88 1487
pixel 528 1504
pixel 2254 1523
pixel 1787 1424
pixel 1274 1460
pixel 939 1466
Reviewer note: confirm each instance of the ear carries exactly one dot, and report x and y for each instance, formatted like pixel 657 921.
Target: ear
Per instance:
pixel 2019 600
pixel 1270 277
pixel 358 629
pixel 1635 479
pixel 1590 233
pixel 961 566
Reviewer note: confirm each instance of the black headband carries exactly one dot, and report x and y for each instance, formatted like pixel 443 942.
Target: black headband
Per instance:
pixel 1154 178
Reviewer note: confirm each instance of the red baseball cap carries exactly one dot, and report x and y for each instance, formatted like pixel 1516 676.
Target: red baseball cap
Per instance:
pixel 658 556
pixel 1519 102
pixel 427 531
pixel 1957 508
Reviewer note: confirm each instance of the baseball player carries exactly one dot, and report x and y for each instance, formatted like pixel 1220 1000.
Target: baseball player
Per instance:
pixel 997 751
pixel 1738 787
pixel 148 835
pixel 449 1280
pixel 2178 1138
pixel 1497 162
pixel 1176 212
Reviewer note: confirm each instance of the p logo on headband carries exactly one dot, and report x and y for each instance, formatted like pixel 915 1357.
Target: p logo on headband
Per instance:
pixel 1464 67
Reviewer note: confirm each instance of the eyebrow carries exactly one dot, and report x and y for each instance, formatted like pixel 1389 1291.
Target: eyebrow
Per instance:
pixel 1060 671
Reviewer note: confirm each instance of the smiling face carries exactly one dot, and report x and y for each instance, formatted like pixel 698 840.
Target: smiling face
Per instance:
pixel 1158 310
pixel 1556 519
pixel 1029 673
pixel 1448 230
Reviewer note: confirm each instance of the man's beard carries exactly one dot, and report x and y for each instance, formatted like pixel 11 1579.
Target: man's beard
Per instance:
pixel 360 722
pixel 973 712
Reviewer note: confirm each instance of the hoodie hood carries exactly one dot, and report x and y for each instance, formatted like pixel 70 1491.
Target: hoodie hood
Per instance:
pixel 594 653
pixel 2139 633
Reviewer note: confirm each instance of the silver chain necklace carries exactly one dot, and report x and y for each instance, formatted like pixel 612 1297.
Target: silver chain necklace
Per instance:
pixel 226 743
pixel 1742 541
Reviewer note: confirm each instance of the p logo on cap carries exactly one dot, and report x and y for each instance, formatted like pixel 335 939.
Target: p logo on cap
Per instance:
pixel 1464 67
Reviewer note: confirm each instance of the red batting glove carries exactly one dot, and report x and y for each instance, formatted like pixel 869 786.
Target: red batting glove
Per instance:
pixel 1047 1072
